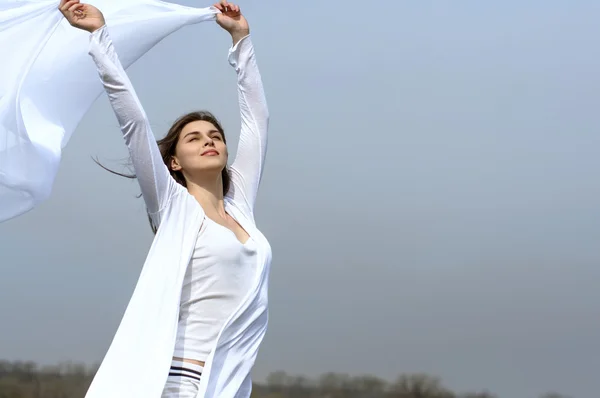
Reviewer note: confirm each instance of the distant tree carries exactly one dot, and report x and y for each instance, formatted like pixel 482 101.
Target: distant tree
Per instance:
pixel 367 387
pixel 329 385
pixel 277 379
pixel 419 386
pixel 5 368
pixel 24 371
pixel 299 387
pixel 71 380
pixel 334 385
pixel 277 382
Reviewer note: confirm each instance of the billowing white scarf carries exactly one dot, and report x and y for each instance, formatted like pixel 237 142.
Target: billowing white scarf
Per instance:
pixel 48 82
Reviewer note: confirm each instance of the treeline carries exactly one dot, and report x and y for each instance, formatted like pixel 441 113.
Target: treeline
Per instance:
pixel 28 380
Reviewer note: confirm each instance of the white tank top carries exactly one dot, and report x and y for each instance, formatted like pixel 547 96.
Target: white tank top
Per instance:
pixel 216 281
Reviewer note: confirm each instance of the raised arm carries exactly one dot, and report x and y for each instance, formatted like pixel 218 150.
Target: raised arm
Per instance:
pixel 156 183
pixel 247 168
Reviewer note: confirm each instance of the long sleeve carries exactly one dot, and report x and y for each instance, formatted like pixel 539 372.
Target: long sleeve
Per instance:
pixel 156 183
pixel 247 168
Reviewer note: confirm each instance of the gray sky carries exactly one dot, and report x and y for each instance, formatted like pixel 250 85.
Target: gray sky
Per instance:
pixel 431 195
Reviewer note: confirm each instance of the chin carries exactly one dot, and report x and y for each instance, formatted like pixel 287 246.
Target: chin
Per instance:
pixel 210 167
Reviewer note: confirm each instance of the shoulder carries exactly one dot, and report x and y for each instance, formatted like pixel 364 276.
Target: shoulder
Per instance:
pixel 180 204
pixel 239 210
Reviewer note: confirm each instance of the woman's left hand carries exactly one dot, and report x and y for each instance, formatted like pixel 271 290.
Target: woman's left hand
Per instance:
pixel 231 19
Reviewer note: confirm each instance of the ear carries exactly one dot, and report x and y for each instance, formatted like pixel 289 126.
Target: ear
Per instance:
pixel 175 164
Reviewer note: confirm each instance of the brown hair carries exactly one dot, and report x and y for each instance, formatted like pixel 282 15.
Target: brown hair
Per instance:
pixel 168 144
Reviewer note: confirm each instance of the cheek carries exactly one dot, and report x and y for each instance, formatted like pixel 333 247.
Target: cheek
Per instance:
pixel 187 152
pixel 222 148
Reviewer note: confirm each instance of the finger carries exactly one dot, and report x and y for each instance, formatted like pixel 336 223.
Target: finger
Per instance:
pixel 75 7
pixel 225 5
pixel 219 7
pixel 68 4
pixel 62 4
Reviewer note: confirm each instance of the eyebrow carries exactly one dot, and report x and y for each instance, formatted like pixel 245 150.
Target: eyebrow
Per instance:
pixel 197 132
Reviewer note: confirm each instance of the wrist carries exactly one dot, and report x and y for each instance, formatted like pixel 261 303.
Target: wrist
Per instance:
pixel 237 35
pixel 92 30
pixel 96 26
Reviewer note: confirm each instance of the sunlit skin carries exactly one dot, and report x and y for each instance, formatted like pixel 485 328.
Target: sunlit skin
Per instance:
pixel 201 151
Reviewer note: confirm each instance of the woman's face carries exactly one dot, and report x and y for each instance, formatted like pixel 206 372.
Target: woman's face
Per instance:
pixel 201 148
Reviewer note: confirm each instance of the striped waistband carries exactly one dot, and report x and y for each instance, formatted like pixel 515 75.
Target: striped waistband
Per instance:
pixel 185 369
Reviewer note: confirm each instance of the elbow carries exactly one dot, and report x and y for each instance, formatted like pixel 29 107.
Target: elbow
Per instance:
pixel 134 127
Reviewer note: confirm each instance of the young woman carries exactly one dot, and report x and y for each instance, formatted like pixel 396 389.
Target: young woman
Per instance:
pixel 200 305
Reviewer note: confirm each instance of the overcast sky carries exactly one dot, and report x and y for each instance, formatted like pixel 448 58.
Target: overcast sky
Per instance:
pixel 431 195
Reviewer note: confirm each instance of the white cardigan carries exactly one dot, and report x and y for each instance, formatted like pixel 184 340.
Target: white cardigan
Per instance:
pixel 138 360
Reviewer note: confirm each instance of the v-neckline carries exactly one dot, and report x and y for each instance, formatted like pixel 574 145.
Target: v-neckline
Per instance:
pixel 226 204
pixel 229 230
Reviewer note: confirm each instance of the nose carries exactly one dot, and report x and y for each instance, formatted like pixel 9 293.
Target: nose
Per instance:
pixel 209 142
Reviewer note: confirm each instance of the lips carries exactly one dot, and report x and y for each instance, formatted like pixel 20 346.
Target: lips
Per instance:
pixel 210 152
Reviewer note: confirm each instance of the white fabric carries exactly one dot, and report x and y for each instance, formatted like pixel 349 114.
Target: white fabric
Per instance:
pixel 148 329
pixel 183 381
pixel 215 283
pixel 180 387
pixel 47 83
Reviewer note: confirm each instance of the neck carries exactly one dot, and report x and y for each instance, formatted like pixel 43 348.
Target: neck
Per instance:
pixel 209 193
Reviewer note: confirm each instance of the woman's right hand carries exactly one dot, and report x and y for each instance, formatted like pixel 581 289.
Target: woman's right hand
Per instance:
pixel 82 16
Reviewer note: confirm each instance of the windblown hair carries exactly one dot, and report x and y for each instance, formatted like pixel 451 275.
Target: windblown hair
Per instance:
pixel 168 144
